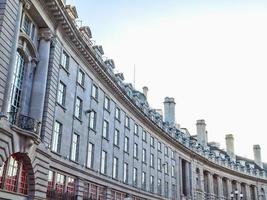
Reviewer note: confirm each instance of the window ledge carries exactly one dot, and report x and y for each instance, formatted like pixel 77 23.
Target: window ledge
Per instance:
pixel 94 98
pixel 66 70
pixel 77 118
pixel 82 86
pixel 105 138
pixel 62 106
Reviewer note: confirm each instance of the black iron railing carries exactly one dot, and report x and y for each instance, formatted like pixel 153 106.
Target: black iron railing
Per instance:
pixel 24 122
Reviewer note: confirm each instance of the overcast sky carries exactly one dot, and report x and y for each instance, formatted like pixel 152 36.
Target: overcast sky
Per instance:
pixel 211 56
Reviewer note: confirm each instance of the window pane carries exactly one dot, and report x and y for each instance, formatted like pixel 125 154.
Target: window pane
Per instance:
pixel 56 137
pixel 94 91
pixel 115 168
pixel 93 120
pixel 105 129
pixel 80 78
pixel 103 162
pixel 75 147
pixel 116 137
pixel 90 155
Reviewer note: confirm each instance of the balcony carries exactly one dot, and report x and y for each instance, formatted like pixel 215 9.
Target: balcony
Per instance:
pixel 25 123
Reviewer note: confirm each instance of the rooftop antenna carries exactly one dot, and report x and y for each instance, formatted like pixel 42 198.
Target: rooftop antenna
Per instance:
pixel 134 76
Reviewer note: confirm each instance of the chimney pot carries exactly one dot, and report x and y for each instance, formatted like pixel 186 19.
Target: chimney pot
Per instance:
pixel 229 139
pixel 201 132
pixel 169 110
pixel 145 91
pixel 257 155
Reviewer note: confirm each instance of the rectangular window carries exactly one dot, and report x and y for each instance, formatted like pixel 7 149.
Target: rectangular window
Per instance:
pixel 127 122
pixel 117 137
pixel 115 168
pixel 152 163
pixel 65 60
pixel 61 95
pixel 166 188
pixel 152 180
pixel 60 181
pixel 143 180
pixel 152 142
pixel 159 146
pixel 50 184
pixel 94 91
pixel 75 147
pixel 33 32
pixel 105 129
pixel 135 150
pixel 118 114
pixel 107 103
pixel 78 108
pixel 166 151
pixel 70 188
pixel 135 176
pixel 172 154
pixel 125 172
pixel 126 144
pixel 90 155
pixel 103 168
pixel 173 172
pixel 27 25
pixel 166 168
pixel 136 129
pixel 144 136
pixel 57 133
pixel 80 78
pixel 92 124
pixel 144 155
pixel 159 164
pixel 159 186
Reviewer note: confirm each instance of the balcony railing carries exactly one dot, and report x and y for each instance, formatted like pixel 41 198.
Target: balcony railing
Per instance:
pixel 24 122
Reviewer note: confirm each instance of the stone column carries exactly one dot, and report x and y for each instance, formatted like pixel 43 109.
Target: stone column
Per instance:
pixel 220 187
pixel 181 177
pixel 12 61
pixel 238 187
pixel 79 189
pixel 247 192
pixel 188 181
pixel 210 185
pixel 40 76
pixel 229 187
pixel 109 193
pixel 27 86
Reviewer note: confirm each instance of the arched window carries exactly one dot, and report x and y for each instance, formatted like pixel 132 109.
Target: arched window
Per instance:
pixel 17 83
pixel 13 175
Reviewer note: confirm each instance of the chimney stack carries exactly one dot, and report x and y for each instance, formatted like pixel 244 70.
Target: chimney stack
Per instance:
pixel 257 155
pixel 230 149
pixel 202 133
pixel 145 91
pixel 169 110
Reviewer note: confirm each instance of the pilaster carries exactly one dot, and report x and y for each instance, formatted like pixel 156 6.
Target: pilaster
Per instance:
pixel 40 76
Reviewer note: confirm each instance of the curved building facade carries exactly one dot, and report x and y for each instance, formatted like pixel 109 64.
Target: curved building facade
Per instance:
pixel 72 128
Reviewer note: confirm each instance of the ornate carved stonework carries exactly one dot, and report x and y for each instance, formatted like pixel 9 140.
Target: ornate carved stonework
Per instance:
pixel 27 4
pixel 45 33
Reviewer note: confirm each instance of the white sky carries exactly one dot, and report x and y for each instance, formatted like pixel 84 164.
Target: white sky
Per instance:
pixel 211 58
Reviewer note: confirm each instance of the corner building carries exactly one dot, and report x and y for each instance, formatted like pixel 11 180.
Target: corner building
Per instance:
pixel 71 128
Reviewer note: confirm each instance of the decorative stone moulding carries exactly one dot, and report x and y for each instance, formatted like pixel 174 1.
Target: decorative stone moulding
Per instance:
pixel 93 55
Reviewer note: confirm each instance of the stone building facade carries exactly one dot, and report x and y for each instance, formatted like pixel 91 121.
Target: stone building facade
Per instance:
pixel 71 128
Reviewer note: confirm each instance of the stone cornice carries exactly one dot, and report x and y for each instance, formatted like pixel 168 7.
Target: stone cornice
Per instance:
pixel 56 8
